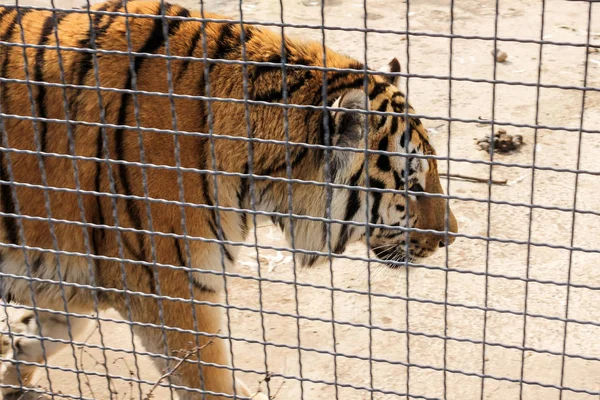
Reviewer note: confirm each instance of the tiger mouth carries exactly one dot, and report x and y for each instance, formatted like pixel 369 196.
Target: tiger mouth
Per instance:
pixel 395 254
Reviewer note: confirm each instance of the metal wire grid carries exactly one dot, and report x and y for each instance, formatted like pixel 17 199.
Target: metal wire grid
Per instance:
pixel 369 388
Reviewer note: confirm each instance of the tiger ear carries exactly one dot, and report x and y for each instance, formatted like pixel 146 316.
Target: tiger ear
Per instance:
pixel 393 67
pixel 348 126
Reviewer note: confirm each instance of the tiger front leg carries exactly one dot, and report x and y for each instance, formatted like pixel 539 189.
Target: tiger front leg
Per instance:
pixel 22 344
pixel 185 348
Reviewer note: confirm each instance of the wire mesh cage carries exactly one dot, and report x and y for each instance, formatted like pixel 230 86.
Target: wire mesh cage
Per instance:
pixel 235 199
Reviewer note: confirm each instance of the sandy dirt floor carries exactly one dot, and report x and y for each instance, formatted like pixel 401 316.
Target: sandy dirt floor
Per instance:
pixel 458 276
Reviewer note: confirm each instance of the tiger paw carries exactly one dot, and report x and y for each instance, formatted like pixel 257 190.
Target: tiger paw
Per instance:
pixel 17 342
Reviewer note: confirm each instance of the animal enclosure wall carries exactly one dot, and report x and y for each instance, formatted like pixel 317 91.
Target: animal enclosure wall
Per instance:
pixel 509 94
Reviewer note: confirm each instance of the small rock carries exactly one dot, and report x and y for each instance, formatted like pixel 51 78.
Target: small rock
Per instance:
pixel 501 56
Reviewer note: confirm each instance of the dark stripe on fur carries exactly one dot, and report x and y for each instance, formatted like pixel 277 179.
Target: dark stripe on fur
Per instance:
pixel 8 206
pixel 153 43
pixel 383 161
pixel 338 76
pixel 39 75
pixel 212 221
pixel 174 25
pixel 85 63
pixel 180 259
pixel 391 235
pixel 377 90
pixel 276 95
pixel 406 137
pixel 248 34
pixel 130 205
pixel 394 127
pixel 352 207
pixel 241 195
pixel 190 53
pixel 223 45
pixel 10 226
pixel 202 288
pixel 202 156
pixel 97 181
pixel 398 181
pixel 102 29
pixel 35 266
pixel 6 37
pixel 356 83
pixel 257 72
pixel 382 108
pixel 5 11
pixel 375 183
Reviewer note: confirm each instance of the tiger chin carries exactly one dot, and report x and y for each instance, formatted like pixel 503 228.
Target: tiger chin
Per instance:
pixel 150 211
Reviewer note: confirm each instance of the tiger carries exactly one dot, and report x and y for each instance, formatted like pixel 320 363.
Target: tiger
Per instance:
pixel 140 143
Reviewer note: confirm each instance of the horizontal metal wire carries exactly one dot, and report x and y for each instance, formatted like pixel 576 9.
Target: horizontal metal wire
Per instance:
pixel 268 141
pixel 404 33
pixel 375 390
pixel 281 314
pixel 41 392
pixel 272 343
pixel 107 376
pixel 300 251
pixel 110 161
pixel 317 219
pixel 317 381
pixel 188 389
pixel 266 64
pixel 294 106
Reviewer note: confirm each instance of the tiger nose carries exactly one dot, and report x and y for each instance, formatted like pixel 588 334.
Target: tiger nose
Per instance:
pixel 452 227
pixel 442 242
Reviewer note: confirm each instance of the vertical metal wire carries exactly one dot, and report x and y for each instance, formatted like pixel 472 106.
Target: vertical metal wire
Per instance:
pixel 251 183
pixel 213 156
pixel 15 195
pixel 289 175
pixel 407 137
pixel 177 151
pixel 328 198
pixel 49 212
pixel 86 238
pixel 574 212
pixel 531 198
pixel 447 212
pixel 113 191
pixel 180 185
pixel 138 123
pixel 367 199
pixel 489 202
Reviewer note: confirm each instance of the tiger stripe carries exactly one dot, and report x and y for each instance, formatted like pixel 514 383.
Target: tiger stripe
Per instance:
pixel 47 29
pixel 8 206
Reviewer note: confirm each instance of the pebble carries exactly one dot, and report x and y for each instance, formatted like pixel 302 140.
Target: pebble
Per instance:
pixel 501 56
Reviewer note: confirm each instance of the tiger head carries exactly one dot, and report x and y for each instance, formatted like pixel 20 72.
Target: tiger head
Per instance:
pixel 390 191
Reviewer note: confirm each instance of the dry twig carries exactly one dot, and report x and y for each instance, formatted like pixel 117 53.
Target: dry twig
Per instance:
pixel 131 375
pixel 474 178
pixel 267 379
pixel 186 354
